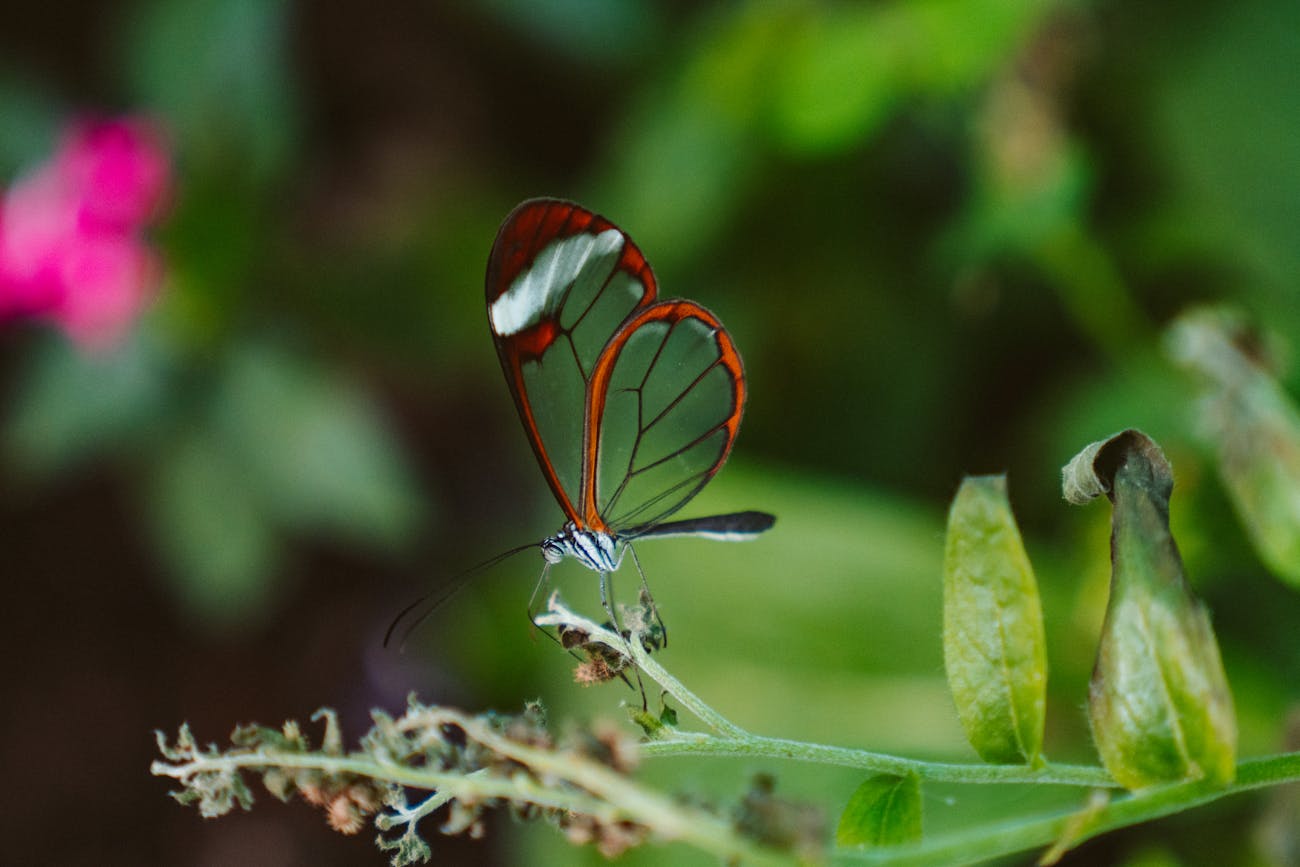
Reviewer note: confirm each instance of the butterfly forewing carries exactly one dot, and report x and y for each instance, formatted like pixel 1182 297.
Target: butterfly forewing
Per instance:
pixel 665 403
pixel 560 281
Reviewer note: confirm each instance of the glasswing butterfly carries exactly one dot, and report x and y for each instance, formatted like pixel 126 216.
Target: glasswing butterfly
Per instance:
pixel 631 404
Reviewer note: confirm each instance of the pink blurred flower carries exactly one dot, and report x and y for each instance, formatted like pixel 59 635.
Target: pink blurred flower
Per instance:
pixel 71 246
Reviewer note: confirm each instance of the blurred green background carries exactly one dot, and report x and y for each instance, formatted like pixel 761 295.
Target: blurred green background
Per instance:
pixel 945 234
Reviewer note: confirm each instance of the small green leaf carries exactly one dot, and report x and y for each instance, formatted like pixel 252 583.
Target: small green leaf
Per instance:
pixel 649 723
pixel 994 647
pixel 1159 703
pixel 884 811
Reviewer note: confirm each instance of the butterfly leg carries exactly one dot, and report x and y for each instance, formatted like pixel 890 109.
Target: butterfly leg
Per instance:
pixel 607 600
pixel 662 641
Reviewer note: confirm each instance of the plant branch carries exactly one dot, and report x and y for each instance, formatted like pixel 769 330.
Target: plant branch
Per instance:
pixel 559 616
pixel 731 739
pixel 564 780
pixel 621 797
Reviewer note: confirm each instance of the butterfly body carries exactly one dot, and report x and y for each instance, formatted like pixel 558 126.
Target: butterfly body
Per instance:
pixel 600 552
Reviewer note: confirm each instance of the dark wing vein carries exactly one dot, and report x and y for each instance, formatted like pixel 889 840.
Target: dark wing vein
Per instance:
pixel 679 398
pixel 699 479
pixel 692 482
pixel 596 296
pixel 632 473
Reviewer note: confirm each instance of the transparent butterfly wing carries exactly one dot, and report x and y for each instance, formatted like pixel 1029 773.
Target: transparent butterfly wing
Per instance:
pixel 560 281
pixel 663 409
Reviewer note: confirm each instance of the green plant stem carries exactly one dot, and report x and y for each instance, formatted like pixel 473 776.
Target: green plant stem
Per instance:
pixel 558 615
pixel 683 743
pixel 734 740
pixel 962 848
pixel 980 843
pixel 1066 829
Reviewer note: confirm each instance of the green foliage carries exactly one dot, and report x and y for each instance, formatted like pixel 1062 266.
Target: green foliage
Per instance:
pixel 71 410
pixel 219 71
pixel 581 783
pixel 995 652
pixel 31 123
pixel 211 533
pixel 946 235
pixel 314 449
pixel 1254 428
pixel 603 33
pixel 884 811
pixel 271 444
pixel 839 76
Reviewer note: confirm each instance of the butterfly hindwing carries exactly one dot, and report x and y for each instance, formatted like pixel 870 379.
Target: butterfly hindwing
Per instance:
pixel 663 409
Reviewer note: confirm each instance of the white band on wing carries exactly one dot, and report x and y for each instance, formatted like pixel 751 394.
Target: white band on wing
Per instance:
pixel 536 292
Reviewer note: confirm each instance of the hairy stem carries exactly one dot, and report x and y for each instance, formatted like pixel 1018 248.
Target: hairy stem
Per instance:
pixel 683 743
pixel 592 789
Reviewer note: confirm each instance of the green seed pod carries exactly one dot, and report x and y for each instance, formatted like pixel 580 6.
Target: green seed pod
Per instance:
pixel 994 648
pixel 1255 428
pixel 1159 703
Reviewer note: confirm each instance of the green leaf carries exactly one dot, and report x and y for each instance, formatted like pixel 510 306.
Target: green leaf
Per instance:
pixel 211 532
pixel 994 646
pixel 1159 703
pixel 603 33
pixel 32 119
pixel 1255 428
pixel 884 811
pixel 954 44
pixel 72 407
pixel 838 77
pixel 686 168
pixel 219 73
pixel 316 452
pixel 688 152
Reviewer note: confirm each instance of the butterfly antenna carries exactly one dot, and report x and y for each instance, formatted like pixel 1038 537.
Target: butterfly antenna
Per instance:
pixel 425 605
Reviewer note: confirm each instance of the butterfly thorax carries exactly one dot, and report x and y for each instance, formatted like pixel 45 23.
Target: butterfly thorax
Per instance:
pixel 595 550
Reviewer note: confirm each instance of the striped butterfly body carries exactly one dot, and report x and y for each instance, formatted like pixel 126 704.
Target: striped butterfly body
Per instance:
pixel 631 404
